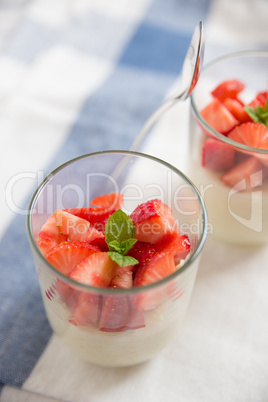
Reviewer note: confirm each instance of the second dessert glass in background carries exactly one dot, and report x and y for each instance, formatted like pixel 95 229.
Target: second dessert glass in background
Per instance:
pixel 237 213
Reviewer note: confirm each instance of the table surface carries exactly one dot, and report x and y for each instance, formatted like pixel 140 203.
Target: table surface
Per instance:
pixel 83 76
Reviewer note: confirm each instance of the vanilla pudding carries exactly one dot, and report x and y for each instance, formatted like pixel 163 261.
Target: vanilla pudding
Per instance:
pixel 226 141
pixel 125 348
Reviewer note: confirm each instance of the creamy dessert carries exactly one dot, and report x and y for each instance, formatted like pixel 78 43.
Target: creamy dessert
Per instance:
pixel 107 304
pixel 232 179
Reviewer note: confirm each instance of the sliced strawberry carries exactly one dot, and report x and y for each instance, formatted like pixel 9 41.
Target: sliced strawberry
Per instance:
pixel 219 117
pixel 68 254
pixel 217 155
pixel 76 228
pixel 161 266
pixel 97 269
pixel 260 100
pixel 100 243
pixel 178 245
pixel 87 310
pixel 253 135
pixel 49 235
pixel 96 216
pixel 228 89
pixel 67 293
pixel 119 313
pixel 245 175
pixel 123 278
pixel 237 110
pixel 108 201
pixel 153 220
pixel 115 314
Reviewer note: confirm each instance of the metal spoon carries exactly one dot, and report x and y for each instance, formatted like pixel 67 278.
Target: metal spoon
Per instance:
pixel 192 65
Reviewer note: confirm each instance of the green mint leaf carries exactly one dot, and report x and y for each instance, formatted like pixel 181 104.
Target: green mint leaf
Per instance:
pixel 121 259
pixel 258 114
pixel 119 227
pixel 123 247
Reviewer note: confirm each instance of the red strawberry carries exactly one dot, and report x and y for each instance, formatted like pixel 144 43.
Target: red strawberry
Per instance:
pixel 96 216
pixel 100 243
pixel 253 135
pixel 119 313
pixel 67 293
pixel 153 220
pixel 49 235
pixel 87 310
pixel 161 266
pixel 228 89
pixel 68 254
pixel 219 117
pixel 123 278
pixel 237 110
pixel 115 314
pixel 178 245
pixel 260 100
pixel 245 175
pixel 217 155
pixel 76 228
pixel 97 269
pixel 108 201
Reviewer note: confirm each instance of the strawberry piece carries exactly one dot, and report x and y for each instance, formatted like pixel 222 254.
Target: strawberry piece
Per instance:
pixel 253 135
pixel 96 216
pixel 219 117
pixel 123 278
pixel 217 155
pixel 49 235
pixel 228 89
pixel 76 228
pixel 100 243
pixel 161 266
pixel 97 269
pixel 237 110
pixel 68 254
pixel 245 175
pixel 108 201
pixel 260 100
pixel 119 314
pixel 87 310
pixel 67 293
pixel 178 245
pixel 153 220
pixel 115 313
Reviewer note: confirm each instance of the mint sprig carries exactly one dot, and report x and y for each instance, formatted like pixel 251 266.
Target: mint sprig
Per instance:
pixel 120 238
pixel 259 114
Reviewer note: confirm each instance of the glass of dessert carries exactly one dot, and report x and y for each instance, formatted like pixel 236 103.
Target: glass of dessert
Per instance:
pixel 116 239
pixel 228 146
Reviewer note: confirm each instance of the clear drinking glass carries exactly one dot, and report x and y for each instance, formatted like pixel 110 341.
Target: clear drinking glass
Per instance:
pixel 239 213
pixel 142 319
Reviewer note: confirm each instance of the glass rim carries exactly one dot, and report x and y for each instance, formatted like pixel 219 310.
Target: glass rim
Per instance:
pixel 211 130
pixel 109 291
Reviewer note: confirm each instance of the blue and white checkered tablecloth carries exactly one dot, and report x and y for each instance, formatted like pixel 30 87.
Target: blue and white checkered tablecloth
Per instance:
pixel 78 76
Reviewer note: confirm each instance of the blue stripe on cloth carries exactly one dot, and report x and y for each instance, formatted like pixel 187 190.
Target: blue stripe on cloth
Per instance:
pixel 157 49
pixel 24 327
pixel 178 15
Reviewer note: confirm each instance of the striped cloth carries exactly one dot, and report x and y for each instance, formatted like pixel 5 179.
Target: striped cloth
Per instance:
pixel 82 76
